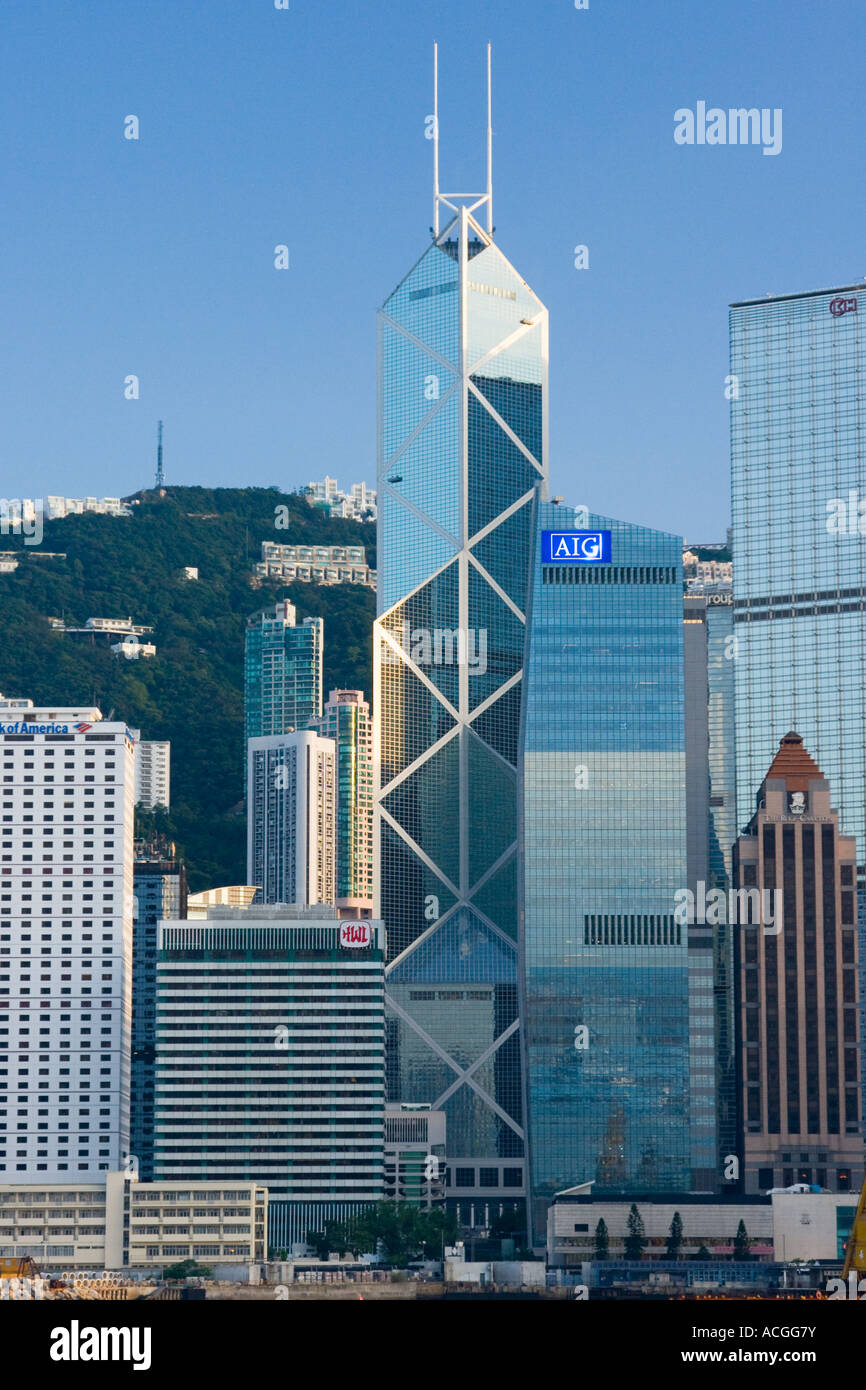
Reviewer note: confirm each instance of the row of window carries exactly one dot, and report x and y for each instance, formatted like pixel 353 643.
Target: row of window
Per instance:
pixel 487 1177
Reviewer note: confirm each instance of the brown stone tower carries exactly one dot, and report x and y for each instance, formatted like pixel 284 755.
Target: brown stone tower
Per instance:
pixel 799 1036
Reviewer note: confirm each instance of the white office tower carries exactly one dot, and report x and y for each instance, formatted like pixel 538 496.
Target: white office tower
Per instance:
pixel 152 774
pixel 291 818
pixel 270 1060
pixel 65 943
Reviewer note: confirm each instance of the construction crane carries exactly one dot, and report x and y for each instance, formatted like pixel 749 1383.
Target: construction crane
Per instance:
pixel 855 1247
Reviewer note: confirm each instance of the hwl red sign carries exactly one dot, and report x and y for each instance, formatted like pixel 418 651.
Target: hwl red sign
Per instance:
pixel 355 934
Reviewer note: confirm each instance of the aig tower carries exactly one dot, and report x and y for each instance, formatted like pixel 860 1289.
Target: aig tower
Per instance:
pixel 462 465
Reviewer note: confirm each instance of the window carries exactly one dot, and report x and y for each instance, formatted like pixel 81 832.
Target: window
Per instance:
pixel 489 1177
pixel 464 1177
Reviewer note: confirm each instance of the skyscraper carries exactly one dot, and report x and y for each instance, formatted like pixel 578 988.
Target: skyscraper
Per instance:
pixel 282 671
pixel 798 507
pixel 160 892
pixel 798 997
pixel 291 819
pixel 606 963
pixel 287 1085
pixel 710 827
pixel 66 931
pixel 462 459
pixel 346 720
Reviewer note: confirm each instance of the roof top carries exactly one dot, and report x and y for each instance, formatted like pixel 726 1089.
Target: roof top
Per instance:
pixel 794 764
pixel 806 294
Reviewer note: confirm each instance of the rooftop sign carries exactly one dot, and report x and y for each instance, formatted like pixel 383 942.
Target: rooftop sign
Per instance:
pixel 575 547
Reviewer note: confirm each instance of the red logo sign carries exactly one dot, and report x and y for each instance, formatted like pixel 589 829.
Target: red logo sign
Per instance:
pixel 82 728
pixel 840 306
pixel 355 934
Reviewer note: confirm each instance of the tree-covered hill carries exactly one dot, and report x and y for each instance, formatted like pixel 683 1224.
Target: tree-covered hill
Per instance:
pixel 191 692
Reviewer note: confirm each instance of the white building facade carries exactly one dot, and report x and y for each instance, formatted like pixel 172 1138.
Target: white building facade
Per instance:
pixel 119 1223
pixel 152 773
pixel 291 818
pixel 288 1089
pixel 66 855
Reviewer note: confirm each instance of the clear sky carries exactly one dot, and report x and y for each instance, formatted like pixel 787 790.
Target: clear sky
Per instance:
pixel 305 127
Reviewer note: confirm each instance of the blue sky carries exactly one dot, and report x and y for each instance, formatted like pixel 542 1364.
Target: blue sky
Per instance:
pixel 306 127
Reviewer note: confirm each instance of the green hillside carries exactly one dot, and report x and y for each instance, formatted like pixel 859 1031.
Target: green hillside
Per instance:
pixel 191 692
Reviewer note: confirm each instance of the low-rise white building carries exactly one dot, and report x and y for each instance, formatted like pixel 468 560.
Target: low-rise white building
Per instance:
pixel 132 649
pixel 782 1228
pixel 59 507
pixel 120 1223
pixel 316 564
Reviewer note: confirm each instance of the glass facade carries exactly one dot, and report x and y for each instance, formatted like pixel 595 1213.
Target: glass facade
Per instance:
pixel 346 720
pixel 282 671
pixel 606 1008
pixel 798 441
pixel 709 710
pixel 723 832
pixel 159 893
pixel 463 353
pixel 798 483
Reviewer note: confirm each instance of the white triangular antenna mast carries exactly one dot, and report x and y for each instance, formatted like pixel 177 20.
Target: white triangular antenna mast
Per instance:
pixel 472 201
pixel 489 140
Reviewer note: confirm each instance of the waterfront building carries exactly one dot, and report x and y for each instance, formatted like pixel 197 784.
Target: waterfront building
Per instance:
pixel 462 460
pixel 65 942
pixel 798 503
pixel 607 968
pixel 287 1091
pixel 799 1034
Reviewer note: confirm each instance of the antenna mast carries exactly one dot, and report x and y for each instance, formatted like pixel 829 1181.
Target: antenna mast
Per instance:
pixel 489 141
pixel 470 201
pixel 160 476
pixel 436 139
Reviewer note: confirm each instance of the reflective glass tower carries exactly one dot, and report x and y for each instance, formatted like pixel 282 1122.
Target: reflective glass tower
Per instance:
pixel 798 507
pixel 711 831
pixel 462 458
pixel 798 445
pixel 606 1009
pixel 282 671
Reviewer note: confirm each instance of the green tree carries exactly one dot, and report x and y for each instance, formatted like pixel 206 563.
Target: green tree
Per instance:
pixel 320 1243
pixel 187 1269
pixel 742 1242
pixel 191 692
pixel 635 1241
pixel 602 1240
pixel 402 1230
pixel 675 1237
pixel 703 1253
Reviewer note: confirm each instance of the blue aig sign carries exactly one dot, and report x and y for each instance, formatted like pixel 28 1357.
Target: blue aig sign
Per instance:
pixel 575 547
